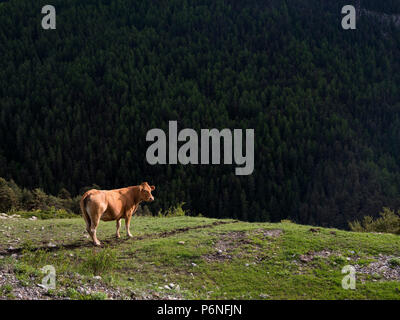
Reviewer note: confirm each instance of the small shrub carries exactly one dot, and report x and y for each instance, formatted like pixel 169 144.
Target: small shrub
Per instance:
pixel 22 268
pixel 394 262
pixel 14 198
pixel 340 260
pixel 98 296
pixel 28 245
pixel 24 272
pixel 146 211
pixel 6 289
pixel 376 276
pixel 365 262
pixel 73 294
pixel 101 261
pixel 388 222
pixel 143 211
pixel 39 199
pixel 51 293
pixel 8 198
pixel 35 258
pixel 64 194
pixel 176 211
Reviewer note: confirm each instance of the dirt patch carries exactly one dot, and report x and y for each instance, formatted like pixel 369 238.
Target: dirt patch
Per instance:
pixel 309 256
pixel 227 244
pixel 382 268
pixel 269 233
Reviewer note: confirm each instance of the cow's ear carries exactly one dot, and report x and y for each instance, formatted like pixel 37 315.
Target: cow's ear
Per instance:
pixel 152 188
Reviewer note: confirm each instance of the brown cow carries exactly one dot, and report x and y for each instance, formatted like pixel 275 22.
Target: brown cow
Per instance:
pixel 108 205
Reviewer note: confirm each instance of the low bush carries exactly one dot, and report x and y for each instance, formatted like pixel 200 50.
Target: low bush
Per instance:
pixel 98 262
pixel 394 262
pixel 175 211
pixel 388 222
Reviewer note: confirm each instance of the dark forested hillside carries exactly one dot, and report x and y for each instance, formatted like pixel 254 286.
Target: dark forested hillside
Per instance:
pixel 76 102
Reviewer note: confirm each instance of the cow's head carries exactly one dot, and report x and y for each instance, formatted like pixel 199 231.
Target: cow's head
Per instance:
pixel 145 192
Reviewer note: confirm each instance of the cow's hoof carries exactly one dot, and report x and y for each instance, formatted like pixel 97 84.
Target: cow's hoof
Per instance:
pixel 117 236
pixel 130 236
pixel 97 244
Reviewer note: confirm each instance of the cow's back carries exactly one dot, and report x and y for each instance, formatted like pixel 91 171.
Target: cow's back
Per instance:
pixel 110 203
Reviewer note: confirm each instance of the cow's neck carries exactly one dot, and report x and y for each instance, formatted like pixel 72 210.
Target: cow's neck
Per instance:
pixel 134 198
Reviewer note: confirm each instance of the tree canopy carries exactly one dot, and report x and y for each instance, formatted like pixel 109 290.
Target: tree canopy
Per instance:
pixel 76 102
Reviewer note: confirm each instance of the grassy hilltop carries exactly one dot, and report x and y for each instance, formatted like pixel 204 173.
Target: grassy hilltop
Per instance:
pixel 195 258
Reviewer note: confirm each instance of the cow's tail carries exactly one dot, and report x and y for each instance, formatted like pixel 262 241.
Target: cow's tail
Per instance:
pixel 85 214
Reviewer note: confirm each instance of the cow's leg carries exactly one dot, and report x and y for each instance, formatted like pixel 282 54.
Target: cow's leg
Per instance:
pixel 127 225
pixel 93 227
pixel 88 216
pixel 87 219
pixel 118 227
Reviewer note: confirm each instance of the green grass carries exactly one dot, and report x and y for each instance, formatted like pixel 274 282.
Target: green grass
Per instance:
pixel 6 289
pixel 251 265
pixel 75 295
pixel 99 261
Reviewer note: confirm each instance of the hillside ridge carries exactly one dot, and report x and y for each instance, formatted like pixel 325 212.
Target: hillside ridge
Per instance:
pixel 209 260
